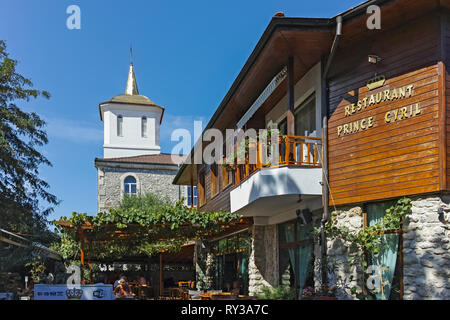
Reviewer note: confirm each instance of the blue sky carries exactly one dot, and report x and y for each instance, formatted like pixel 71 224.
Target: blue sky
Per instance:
pixel 186 56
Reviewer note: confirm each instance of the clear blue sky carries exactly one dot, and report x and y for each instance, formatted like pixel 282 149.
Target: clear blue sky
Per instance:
pixel 186 56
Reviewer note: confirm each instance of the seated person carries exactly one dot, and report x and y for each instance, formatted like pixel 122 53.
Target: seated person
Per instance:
pixel 143 282
pixel 123 289
pixel 236 288
pixel 227 287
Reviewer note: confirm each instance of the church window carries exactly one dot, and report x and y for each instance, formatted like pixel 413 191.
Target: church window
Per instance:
pixel 192 196
pixel 144 127
pixel 130 185
pixel 120 126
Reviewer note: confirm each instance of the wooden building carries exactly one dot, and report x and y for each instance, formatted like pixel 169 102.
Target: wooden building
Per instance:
pixel 363 112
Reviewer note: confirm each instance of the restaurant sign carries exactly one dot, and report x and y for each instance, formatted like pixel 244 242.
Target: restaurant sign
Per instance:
pixel 373 100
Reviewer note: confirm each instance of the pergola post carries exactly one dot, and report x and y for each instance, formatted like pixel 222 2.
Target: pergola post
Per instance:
pixel 161 283
pixel 82 238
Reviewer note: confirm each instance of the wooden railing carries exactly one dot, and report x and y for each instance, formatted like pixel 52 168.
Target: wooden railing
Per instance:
pixel 294 151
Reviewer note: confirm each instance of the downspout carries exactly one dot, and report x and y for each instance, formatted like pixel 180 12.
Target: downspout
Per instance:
pixel 325 190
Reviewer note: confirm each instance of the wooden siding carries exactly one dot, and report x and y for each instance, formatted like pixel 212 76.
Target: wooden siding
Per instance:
pixel 219 202
pixel 390 159
pixel 445 51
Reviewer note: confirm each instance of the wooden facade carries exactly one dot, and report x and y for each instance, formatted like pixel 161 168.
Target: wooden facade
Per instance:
pixel 400 154
pixel 403 149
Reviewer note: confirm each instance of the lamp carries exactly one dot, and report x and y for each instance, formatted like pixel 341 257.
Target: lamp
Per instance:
pixel 374 59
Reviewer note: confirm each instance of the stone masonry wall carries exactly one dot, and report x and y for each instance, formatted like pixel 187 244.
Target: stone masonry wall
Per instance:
pixel 156 181
pixel 263 261
pixel 426 244
pixel 344 276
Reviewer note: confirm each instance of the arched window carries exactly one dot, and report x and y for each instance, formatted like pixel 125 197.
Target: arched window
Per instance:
pixel 144 127
pixel 130 186
pixel 119 126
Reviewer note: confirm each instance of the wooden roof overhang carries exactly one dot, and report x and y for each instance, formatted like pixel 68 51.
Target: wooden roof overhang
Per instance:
pixel 309 41
pixel 306 39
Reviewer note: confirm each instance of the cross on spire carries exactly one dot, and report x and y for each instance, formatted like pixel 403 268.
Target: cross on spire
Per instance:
pixel 132 88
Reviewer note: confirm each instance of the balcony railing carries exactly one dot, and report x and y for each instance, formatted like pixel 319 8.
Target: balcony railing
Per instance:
pixel 294 151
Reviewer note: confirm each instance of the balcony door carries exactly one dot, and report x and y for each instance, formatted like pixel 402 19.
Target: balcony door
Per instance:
pixel 305 118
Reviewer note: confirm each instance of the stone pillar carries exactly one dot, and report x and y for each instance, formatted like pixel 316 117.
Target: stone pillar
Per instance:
pixel 263 261
pixel 344 276
pixel 204 263
pixel 426 244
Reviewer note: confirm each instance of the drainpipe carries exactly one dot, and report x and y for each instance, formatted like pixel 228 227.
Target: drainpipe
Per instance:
pixel 325 190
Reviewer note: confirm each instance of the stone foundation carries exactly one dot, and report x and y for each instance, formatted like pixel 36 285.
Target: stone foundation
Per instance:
pixel 344 276
pixel 426 244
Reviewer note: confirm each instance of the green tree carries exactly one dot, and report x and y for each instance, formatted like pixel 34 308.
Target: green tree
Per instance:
pixel 22 191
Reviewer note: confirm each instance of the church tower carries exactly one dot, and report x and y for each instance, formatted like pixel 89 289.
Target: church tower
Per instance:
pixel 131 123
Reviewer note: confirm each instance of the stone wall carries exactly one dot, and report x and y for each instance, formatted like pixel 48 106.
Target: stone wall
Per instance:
pixel 156 181
pixel 344 275
pixel 263 261
pixel 205 267
pixel 426 244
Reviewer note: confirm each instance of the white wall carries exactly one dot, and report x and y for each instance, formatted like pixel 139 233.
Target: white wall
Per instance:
pixel 271 185
pixel 131 143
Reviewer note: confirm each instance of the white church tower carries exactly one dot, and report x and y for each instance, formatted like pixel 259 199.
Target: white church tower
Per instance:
pixel 131 123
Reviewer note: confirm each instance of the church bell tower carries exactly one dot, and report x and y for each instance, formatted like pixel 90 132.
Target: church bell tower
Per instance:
pixel 131 123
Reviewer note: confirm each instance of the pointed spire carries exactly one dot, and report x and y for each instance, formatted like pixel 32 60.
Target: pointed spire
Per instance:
pixel 132 88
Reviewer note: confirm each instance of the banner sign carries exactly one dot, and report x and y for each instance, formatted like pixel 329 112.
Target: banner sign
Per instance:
pixel 73 292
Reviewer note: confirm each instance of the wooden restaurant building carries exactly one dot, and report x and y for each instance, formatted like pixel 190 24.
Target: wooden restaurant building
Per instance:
pixel 364 114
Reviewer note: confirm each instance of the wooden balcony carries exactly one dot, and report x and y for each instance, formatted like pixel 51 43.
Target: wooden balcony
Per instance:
pixel 294 151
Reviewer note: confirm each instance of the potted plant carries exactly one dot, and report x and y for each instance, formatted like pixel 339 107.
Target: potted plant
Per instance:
pixel 229 164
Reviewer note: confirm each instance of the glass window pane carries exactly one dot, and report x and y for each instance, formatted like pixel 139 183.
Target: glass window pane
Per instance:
pixel 286 232
pixel 133 189
pixel 119 126
pixel 127 188
pixel 304 232
pixel 144 127
pixel 305 118
pixel 282 127
pixel 305 266
pixel 130 179
pixel 287 267
pixel 376 211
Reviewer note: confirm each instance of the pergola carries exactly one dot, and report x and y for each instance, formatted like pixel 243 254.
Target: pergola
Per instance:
pixel 88 234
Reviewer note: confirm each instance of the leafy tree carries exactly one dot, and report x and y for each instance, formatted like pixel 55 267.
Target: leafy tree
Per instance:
pixel 21 134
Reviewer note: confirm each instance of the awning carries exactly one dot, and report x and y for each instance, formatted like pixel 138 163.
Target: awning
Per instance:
pixel 19 241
